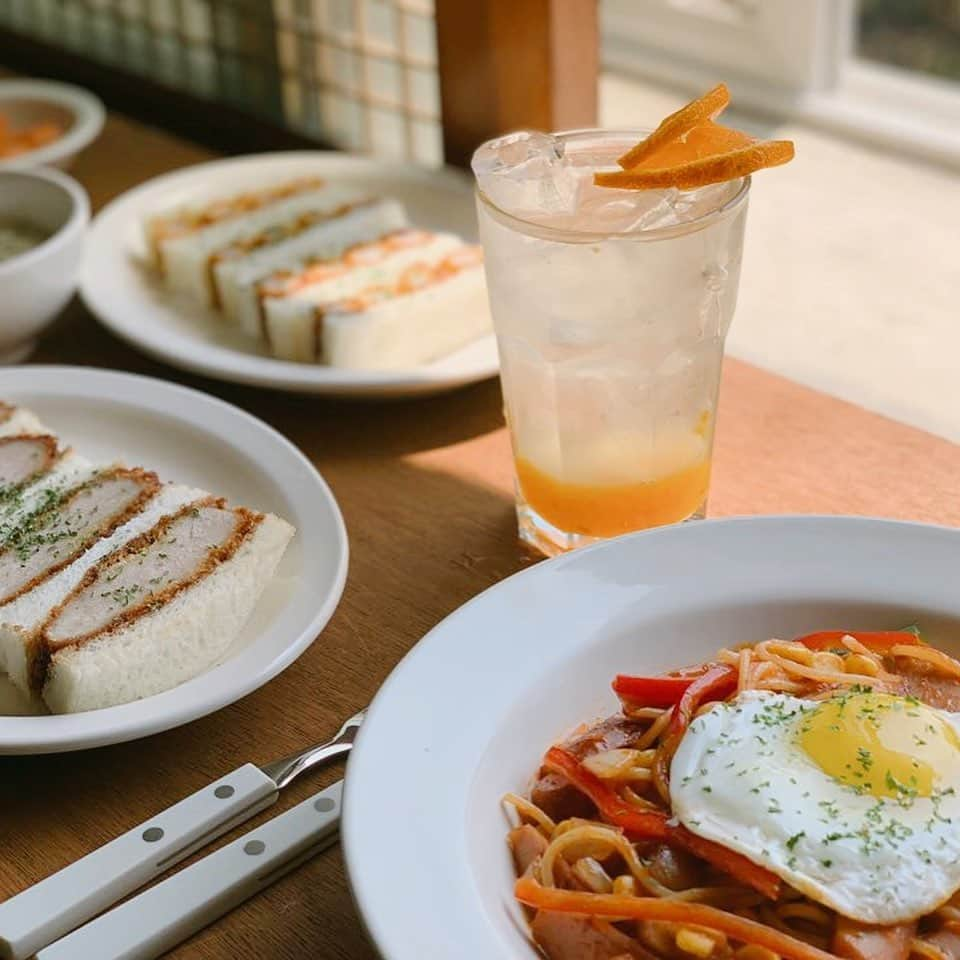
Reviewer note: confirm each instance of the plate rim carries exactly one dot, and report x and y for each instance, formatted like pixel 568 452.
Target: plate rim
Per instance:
pixel 123 722
pixel 251 369
pixel 394 943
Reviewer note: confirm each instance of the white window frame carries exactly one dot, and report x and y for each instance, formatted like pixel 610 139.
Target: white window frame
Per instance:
pixel 792 58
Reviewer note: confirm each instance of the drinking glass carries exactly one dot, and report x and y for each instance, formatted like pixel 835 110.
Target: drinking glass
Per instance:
pixel 610 308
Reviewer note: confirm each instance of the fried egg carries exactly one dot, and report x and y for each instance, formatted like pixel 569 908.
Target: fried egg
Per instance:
pixel 853 800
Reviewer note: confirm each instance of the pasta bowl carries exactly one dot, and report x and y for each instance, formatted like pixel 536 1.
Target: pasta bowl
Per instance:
pixel 467 715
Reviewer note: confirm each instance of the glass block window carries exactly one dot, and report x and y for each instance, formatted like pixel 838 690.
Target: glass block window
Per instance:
pixel 361 74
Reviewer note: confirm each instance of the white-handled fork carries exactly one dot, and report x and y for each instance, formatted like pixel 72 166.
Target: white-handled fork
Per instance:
pixel 53 907
pixel 148 925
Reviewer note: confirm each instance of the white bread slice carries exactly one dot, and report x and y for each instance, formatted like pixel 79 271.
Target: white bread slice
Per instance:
pixel 186 590
pixel 408 328
pixel 21 617
pixel 189 260
pixel 291 304
pixel 321 238
pixel 329 205
pixel 14 419
pixel 166 226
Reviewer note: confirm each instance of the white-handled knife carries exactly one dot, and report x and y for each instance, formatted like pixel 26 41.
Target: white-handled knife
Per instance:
pixel 148 925
pixel 53 907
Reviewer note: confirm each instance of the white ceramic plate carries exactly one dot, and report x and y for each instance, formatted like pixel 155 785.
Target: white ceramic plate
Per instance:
pixel 129 301
pixel 195 439
pixel 469 712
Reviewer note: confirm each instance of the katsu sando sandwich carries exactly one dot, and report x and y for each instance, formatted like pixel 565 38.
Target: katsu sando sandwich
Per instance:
pixel 289 300
pixel 314 235
pixel 402 300
pixel 113 585
pixel 178 526
pixel 186 244
pixel 158 611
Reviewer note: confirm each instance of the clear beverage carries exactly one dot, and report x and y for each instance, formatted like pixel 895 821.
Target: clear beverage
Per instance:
pixel 610 308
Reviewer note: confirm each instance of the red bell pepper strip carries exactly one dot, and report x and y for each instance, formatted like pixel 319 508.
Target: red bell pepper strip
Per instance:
pixel 718 682
pixel 655 825
pixel 877 641
pixel 651 691
pixel 641 824
pixel 729 861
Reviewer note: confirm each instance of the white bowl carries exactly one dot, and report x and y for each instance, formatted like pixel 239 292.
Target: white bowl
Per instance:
pixel 470 711
pixel 76 110
pixel 35 285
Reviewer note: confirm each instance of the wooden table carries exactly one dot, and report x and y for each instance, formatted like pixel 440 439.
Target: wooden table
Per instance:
pixel 425 489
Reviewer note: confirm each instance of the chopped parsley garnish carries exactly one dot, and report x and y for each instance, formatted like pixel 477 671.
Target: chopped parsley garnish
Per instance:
pixel 792 842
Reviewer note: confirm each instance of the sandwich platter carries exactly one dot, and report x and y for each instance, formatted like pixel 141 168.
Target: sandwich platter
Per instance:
pixel 138 430
pixel 122 286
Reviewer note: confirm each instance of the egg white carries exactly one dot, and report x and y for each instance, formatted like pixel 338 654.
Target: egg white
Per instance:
pixel 740 778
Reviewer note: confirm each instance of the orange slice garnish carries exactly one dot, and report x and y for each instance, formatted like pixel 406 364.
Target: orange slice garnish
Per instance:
pixel 701 142
pixel 698 111
pixel 725 164
pixel 689 150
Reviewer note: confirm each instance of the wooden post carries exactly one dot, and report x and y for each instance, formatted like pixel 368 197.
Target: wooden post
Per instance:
pixel 512 64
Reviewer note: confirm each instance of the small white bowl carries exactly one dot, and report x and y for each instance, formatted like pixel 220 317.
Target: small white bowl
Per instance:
pixel 77 111
pixel 35 284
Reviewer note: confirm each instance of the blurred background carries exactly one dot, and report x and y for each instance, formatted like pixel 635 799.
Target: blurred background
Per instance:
pixel 849 281
pixel 362 74
pixel 921 35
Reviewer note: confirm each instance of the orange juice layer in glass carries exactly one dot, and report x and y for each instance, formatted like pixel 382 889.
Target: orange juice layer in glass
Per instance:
pixel 609 485
pixel 607 510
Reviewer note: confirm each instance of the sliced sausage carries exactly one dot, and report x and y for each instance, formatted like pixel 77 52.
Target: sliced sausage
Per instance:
pixel 564 937
pixel 860 941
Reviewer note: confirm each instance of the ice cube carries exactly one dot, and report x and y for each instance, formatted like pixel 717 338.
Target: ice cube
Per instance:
pixel 516 152
pixel 602 210
pixel 526 174
pixel 540 178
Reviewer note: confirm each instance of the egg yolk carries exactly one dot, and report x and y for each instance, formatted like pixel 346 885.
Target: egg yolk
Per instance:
pixel 882 745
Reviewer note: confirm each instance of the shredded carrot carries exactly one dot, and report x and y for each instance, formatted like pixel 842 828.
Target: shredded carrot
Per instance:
pixel 530 892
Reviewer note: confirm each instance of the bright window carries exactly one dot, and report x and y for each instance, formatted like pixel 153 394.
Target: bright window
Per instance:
pixel 883 70
pixel 916 35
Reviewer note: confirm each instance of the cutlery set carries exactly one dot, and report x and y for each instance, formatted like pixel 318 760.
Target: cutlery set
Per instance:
pixel 50 919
